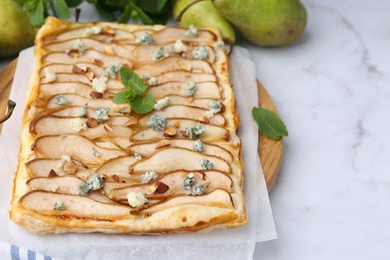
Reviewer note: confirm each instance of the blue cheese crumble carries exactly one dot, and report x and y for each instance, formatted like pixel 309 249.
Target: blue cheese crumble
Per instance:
pixel 79 46
pixel 78 124
pixel 153 81
pixel 147 75
pixel 61 100
pixel 219 45
pixel 96 153
pixel 198 146
pixel 137 156
pixel 92 31
pixel 94 182
pixel 99 84
pixel 198 189
pixel 136 199
pixel 214 106
pixel 83 111
pixel 195 131
pixel 59 205
pixel 102 113
pixel 206 164
pixel 145 39
pixel 148 176
pixel 190 87
pixel 179 47
pixel 200 53
pixel 111 71
pixel 162 103
pixel 157 123
pixel 192 32
pixel 50 75
pixel 160 53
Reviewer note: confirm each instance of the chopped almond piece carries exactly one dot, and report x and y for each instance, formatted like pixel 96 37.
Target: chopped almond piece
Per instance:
pixel 115 178
pixel 96 95
pixel 73 53
pixel 107 128
pixel 161 187
pixel 79 70
pixel 152 188
pixel 91 122
pixel 114 41
pixel 170 131
pixel 190 99
pixel 130 169
pixel 90 75
pixel 98 62
pixel 176 124
pixel 109 50
pixel 52 173
pixel 70 167
pixel 183 133
pixel 203 119
pixel 162 143
pixel 108 31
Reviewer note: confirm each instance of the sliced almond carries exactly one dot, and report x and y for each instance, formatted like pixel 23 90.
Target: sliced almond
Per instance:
pixel 203 119
pixel 95 94
pixel 70 167
pixel 90 75
pixel 130 169
pixel 73 53
pixel 109 50
pixel 152 188
pixel 190 99
pixel 52 173
pixel 176 124
pixel 115 178
pixel 114 41
pixel 107 127
pixel 108 31
pixel 161 187
pixel 170 131
pixel 79 70
pixel 91 122
pixel 98 62
pixel 162 143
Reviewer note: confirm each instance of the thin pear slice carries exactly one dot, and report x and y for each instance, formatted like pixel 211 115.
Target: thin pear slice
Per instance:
pixel 203 90
pixel 89 43
pixel 77 88
pixel 78 206
pixel 217 198
pixel 65 184
pixel 119 142
pixel 75 100
pixel 41 167
pixel 88 56
pixel 75 146
pixel 171 34
pixel 68 68
pixel 78 33
pixel 173 64
pixel 80 78
pixel 183 76
pixel 199 102
pixel 119 167
pixel 108 186
pixel 174 180
pixel 213 132
pixel 174 158
pixel 148 148
pixel 144 53
pixel 179 111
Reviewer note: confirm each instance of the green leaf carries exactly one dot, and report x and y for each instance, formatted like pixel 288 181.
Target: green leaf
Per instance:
pixel 269 123
pixel 62 9
pixel 73 3
pixel 142 15
pixel 152 6
pixel 109 16
pixel 117 3
pixel 132 82
pixel 121 97
pixel 126 14
pixel 142 104
pixel 37 17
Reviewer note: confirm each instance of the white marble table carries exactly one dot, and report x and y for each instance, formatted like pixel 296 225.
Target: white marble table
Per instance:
pixel 332 89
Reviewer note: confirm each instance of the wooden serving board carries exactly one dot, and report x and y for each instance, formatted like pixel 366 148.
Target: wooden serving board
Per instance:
pixel 270 151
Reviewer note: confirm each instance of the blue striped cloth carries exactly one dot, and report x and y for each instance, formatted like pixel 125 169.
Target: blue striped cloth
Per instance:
pixel 13 252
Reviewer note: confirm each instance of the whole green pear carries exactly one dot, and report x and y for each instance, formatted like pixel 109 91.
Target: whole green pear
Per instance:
pixel 16 30
pixel 202 14
pixel 266 22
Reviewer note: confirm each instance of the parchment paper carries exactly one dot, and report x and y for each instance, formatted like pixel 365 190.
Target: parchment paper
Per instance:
pixel 236 243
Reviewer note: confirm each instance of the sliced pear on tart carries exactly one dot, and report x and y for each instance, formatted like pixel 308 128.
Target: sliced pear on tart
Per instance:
pixel 174 158
pixel 203 90
pixel 44 167
pixel 183 76
pixel 69 68
pixel 118 166
pixel 75 146
pixel 148 148
pixel 74 205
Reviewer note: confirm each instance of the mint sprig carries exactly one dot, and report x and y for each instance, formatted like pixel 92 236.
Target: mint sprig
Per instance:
pixel 269 123
pixel 134 94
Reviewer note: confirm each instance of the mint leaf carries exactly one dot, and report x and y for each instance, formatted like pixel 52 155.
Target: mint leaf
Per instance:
pixel 109 16
pixel 142 15
pixel 62 9
pixel 126 14
pixel 121 97
pixel 269 123
pixel 142 104
pixel 132 82
pixel 37 15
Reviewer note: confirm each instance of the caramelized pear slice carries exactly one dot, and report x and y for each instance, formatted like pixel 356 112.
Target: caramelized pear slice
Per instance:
pixel 68 68
pixel 71 111
pixel 179 111
pixel 217 198
pixel 89 43
pixel 41 167
pixel 75 146
pixel 171 34
pixel 75 100
pixel 173 64
pixel 80 89
pixel 174 180
pixel 78 206
pixel 183 76
pixel 87 57
pixel 78 33
pixel 174 158
pixel 119 167
pixel 148 148
pixel 203 90
pixel 213 132
pixel 50 125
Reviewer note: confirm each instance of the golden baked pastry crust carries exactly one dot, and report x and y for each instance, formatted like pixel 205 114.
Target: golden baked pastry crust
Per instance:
pixel 46 125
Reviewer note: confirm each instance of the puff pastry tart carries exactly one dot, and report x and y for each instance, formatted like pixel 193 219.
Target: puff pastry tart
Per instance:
pixel 87 164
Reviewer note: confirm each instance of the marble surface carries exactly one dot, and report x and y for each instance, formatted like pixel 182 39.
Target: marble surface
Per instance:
pixel 332 89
